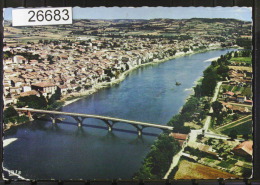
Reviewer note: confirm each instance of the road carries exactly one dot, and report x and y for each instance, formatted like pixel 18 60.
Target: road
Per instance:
pixel 175 160
pixel 214 98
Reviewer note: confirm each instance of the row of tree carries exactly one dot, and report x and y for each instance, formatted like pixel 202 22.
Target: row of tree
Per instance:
pixel 158 160
pixel 218 70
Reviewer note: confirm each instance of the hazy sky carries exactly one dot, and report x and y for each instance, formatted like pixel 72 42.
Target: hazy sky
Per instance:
pixel 242 13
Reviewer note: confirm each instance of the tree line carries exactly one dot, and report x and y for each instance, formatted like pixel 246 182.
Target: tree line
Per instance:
pixel 37 102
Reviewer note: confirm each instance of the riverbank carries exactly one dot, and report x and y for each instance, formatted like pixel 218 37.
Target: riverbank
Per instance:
pixel 73 97
pixel 186 114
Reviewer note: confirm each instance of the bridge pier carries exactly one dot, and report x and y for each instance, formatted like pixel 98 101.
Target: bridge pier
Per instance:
pixel 30 115
pixel 53 118
pixel 139 130
pixel 79 121
pixel 109 125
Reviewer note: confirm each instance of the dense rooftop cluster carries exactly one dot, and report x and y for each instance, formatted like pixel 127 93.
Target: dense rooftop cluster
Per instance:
pixel 76 57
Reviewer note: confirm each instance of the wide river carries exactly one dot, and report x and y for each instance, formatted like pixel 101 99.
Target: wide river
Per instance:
pixel 64 151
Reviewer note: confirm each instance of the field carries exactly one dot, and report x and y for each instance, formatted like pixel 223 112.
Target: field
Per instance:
pixel 244 128
pixel 227 87
pixel 242 68
pixel 246 91
pixel 242 59
pixel 191 170
pixel 232 124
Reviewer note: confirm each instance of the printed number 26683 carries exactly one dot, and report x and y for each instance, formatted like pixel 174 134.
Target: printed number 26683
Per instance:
pixel 48 15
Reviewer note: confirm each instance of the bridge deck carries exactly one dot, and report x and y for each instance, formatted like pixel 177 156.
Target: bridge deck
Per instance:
pixel 97 117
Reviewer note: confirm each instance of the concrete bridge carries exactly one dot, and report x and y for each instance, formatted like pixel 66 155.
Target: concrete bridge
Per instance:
pixel 109 121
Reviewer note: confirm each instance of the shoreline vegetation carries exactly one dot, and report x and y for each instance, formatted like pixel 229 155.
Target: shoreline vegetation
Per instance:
pixel 75 96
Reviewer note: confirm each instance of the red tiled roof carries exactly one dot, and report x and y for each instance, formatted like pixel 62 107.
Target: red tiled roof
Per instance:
pixel 179 136
pixel 44 84
pixel 28 93
pixel 247 146
pixel 229 93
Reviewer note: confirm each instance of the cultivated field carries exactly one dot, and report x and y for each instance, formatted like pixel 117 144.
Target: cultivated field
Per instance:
pixel 242 68
pixel 191 170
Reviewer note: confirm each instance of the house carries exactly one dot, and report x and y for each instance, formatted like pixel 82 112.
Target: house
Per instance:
pixel 46 88
pixel 244 149
pixel 227 94
pixel 240 110
pixel 241 99
pixel 179 137
pixel 29 93
pixel 18 59
pixel 249 102
pixel 63 89
pixel 205 148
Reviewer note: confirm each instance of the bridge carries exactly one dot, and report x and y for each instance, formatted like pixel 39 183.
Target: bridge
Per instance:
pixel 109 121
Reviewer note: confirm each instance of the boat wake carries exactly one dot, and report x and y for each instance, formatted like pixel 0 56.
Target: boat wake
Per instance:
pixel 188 89
pixel 211 59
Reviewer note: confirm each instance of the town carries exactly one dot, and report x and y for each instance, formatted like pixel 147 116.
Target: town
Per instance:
pixel 75 63
pixel 51 64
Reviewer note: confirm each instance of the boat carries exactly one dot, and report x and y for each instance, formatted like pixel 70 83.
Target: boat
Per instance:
pixel 177 83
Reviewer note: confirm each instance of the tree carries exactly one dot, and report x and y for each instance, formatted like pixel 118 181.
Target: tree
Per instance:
pixel 8 54
pixel 202 115
pixel 55 96
pixel 159 158
pixel 185 50
pixel 206 106
pixel 191 105
pixel 245 137
pixel 32 101
pixel 9 112
pixel 229 111
pixel 233 134
pixel 50 59
pixel 78 88
pixel 236 54
pixel 235 117
pixel 217 108
pixel 209 83
pixel 219 119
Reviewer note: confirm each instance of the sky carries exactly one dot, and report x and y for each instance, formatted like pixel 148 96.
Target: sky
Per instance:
pixel 241 13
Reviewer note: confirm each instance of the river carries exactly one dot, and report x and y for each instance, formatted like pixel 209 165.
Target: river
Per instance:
pixel 64 151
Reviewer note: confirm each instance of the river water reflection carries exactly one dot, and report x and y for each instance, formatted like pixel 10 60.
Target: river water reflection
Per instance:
pixel 64 151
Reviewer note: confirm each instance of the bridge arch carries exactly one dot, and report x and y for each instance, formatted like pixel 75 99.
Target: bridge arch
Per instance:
pixel 36 115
